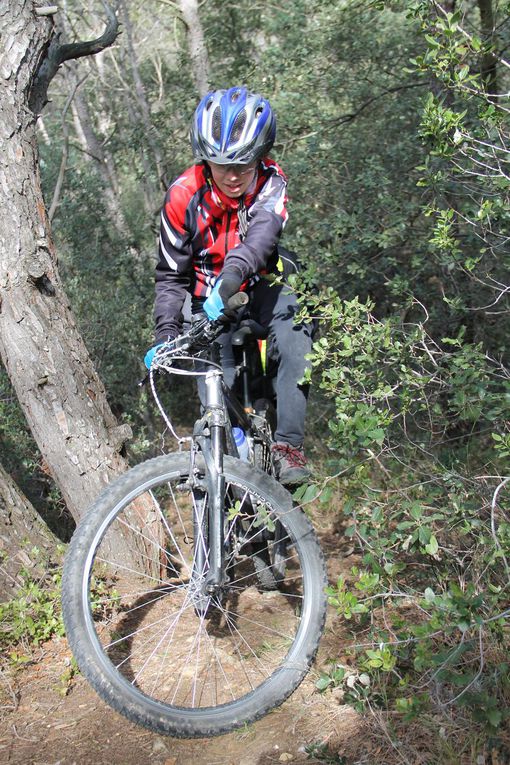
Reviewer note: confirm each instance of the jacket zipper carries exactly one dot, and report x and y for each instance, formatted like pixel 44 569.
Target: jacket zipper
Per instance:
pixel 227 232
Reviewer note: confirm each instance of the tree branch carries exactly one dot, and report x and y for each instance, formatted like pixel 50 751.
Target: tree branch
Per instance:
pixel 57 53
pixel 352 115
pixel 468 36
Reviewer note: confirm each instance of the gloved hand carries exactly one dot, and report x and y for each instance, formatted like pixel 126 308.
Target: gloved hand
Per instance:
pixel 227 284
pixel 149 356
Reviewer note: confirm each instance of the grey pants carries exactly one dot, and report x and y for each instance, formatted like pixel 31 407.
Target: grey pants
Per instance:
pixel 275 307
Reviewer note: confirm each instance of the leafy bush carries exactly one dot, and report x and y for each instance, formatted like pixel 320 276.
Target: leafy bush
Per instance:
pixel 419 432
pixel 34 615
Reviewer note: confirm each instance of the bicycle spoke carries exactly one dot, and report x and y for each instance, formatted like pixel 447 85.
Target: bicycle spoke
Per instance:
pixel 236 632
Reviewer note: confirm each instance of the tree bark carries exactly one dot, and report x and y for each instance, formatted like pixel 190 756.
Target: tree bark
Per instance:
pixel 60 393
pixel 25 540
pixel 489 60
pixel 196 44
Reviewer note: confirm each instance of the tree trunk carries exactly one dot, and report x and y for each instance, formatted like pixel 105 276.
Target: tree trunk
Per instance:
pixel 21 531
pixel 144 115
pixel 92 146
pixel 489 60
pixel 93 150
pixel 60 393
pixel 196 44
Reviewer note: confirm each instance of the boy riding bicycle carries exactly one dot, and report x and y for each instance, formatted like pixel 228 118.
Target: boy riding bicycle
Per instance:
pixel 220 226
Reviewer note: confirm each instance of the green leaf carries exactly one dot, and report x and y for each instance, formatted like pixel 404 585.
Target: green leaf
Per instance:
pixel 429 595
pixel 432 547
pixel 338 675
pixel 463 72
pixel 424 534
pixel 311 493
pixel 432 41
pixel 323 682
pixel 376 435
pixel 494 716
pixel 326 495
pixel 416 511
pixel 299 493
pixel 377 514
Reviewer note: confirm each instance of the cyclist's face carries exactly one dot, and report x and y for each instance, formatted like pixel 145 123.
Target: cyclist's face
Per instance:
pixel 233 180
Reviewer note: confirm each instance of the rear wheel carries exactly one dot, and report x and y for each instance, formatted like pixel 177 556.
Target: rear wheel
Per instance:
pixel 271 556
pixel 136 620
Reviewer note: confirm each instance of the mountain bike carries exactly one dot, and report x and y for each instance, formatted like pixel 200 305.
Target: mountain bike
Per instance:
pixel 193 589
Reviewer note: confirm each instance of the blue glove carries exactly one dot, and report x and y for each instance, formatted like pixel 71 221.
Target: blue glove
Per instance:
pixel 227 284
pixel 213 306
pixel 149 356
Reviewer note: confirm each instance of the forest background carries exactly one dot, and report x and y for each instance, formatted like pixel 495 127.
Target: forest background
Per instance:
pixel 393 128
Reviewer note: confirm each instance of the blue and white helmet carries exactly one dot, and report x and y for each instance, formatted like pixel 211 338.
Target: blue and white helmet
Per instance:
pixel 232 127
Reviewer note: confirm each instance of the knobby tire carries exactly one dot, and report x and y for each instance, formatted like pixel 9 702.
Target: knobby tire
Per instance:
pixel 130 610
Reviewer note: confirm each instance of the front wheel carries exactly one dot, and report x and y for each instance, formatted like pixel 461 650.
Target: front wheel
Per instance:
pixel 131 589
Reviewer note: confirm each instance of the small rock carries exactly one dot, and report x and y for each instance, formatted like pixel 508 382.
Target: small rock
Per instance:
pixel 286 757
pixel 159 747
pixel 364 679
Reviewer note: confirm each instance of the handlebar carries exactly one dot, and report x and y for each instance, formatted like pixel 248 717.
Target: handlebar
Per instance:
pixel 204 331
pixel 200 335
pixel 238 300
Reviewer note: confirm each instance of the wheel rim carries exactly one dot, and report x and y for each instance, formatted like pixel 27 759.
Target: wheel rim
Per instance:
pixel 152 632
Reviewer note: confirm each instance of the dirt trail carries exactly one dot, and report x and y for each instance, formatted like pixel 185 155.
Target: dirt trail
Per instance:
pixel 41 726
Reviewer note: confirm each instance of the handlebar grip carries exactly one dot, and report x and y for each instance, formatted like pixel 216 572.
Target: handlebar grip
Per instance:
pixel 237 301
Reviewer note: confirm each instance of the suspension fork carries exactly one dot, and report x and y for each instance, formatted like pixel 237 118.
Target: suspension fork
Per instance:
pixel 213 448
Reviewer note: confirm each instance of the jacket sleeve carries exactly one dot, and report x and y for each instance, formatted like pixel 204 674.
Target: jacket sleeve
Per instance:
pixel 173 271
pixel 266 219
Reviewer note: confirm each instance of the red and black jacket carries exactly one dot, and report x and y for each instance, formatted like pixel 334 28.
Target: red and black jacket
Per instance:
pixel 202 230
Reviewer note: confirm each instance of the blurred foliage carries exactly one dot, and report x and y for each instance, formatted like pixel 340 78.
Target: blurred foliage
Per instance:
pixel 393 129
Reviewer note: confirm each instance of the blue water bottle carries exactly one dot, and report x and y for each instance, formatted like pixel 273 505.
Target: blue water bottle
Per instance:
pixel 241 443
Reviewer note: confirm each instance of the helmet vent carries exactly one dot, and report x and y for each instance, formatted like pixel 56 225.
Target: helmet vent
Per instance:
pixel 216 124
pixel 235 96
pixel 238 126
